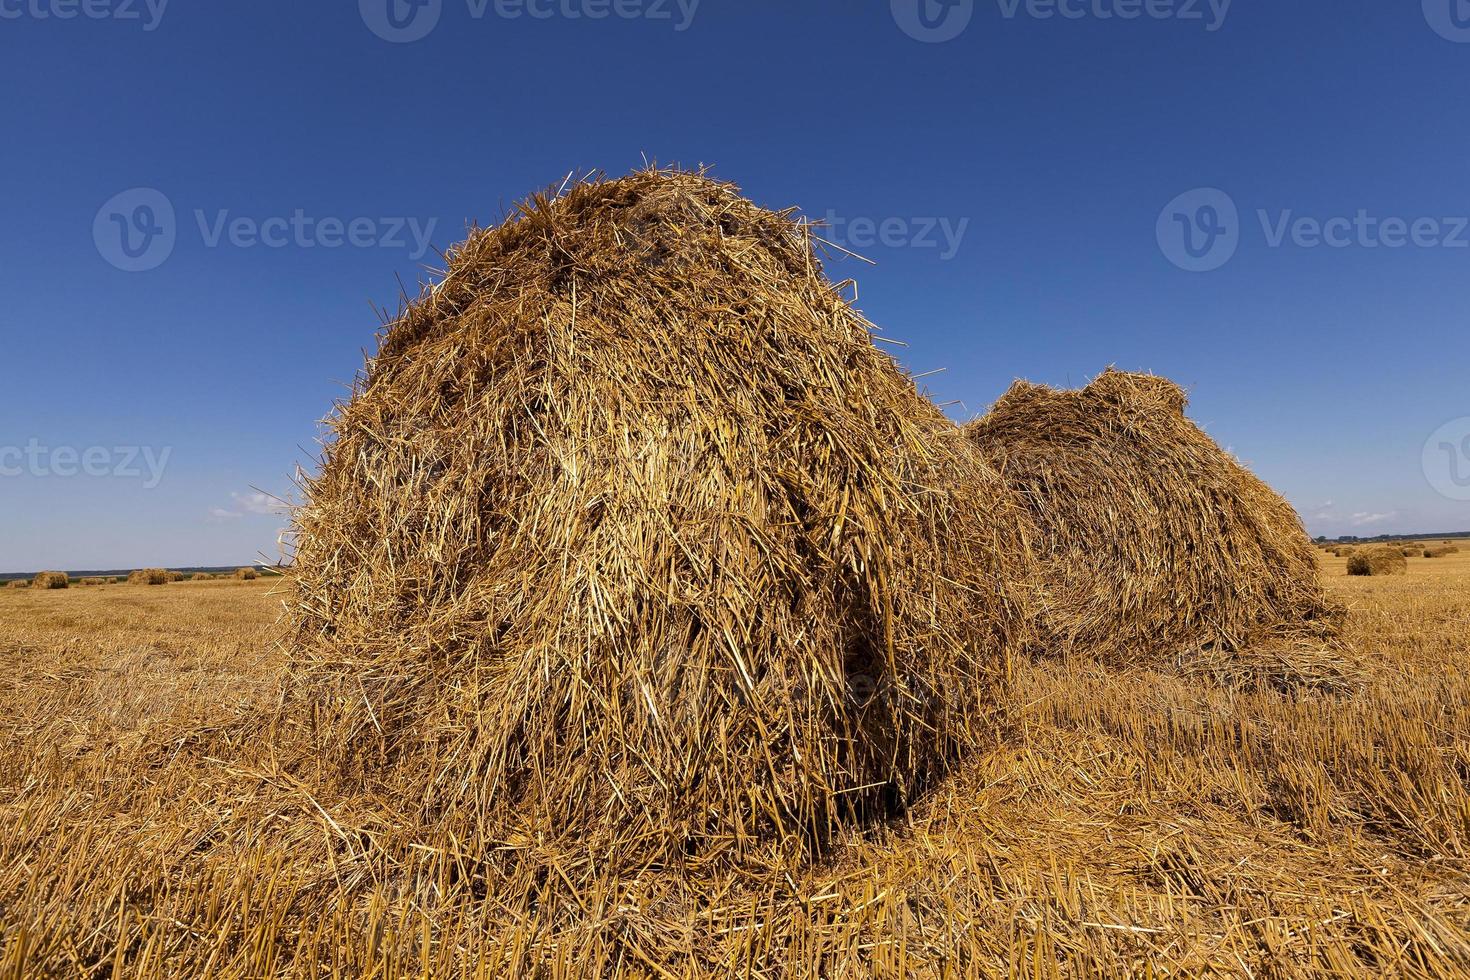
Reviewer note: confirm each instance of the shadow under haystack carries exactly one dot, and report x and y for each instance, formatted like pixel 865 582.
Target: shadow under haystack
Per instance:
pixel 1155 541
pixel 632 544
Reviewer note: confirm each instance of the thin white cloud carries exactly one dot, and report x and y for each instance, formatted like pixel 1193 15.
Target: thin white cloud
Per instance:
pixel 1363 518
pixel 249 505
pixel 258 503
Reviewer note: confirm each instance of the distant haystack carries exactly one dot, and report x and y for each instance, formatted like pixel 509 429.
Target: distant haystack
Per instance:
pixel 176 576
pixel 1378 561
pixel 149 576
pixel 19 583
pixel 201 577
pixel 667 560
pixel 1155 539
pixel 246 574
pixel 93 580
pixel 51 580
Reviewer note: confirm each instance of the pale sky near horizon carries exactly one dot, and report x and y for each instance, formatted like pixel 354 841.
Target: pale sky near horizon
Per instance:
pixel 204 203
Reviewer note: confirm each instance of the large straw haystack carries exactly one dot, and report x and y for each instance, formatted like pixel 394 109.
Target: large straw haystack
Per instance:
pixel 51 580
pixel 1156 541
pixel 649 545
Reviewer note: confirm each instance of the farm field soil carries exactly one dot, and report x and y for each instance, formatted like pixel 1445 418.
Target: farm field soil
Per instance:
pixel 1281 813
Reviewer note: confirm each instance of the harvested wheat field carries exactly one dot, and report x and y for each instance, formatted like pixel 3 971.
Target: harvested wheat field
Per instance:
pixel 1122 821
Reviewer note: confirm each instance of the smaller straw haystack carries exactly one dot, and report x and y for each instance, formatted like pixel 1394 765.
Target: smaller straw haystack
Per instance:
pixel 1155 539
pixel 246 574
pixel 201 577
pixel 19 583
pixel 51 580
pixel 1440 551
pixel 176 576
pixel 93 580
pixel 149 576
pixel 1378 561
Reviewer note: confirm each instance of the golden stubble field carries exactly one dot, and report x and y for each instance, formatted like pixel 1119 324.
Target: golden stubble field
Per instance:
pixel 1274 814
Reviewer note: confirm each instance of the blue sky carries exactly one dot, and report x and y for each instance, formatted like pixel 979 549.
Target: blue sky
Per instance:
pixel 1035 182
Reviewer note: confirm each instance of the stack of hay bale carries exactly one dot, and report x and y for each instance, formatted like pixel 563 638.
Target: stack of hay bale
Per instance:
pixel 666 558
pixel 1380 560
pixel 149 576
pixel 1155 540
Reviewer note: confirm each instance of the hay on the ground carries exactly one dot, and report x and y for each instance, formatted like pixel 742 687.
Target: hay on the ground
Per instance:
pixel 149 576
pixel 665 559
pixel 246 574
pixel 1156 540
pixel 1378 561
pixel 51 580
